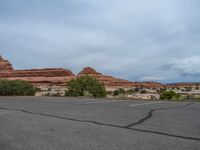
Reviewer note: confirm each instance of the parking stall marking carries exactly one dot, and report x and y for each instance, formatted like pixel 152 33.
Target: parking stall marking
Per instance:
pixel 142 104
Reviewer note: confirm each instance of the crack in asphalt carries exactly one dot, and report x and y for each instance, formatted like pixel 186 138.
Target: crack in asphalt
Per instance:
pixel 128 127
pixel 150 114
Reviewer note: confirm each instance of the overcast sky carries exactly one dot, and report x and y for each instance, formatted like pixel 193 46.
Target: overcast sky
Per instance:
pixel 141 40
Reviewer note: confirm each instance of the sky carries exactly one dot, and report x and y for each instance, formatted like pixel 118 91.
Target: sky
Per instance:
pixel 138 40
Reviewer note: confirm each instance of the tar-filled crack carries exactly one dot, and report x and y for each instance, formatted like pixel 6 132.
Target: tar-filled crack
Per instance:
pixel 150 114
pixel 128 127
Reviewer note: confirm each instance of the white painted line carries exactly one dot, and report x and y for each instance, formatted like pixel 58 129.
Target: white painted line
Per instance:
pixel 150 103
pixel 105 101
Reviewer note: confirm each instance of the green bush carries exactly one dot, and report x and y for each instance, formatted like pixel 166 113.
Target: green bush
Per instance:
pixel 188 89
pixel 116 93
pixel 189 97
pixel 119 91
pixel 143 91
pixel 16 88
pixel 169 95
pixel 137 89
pixel 109 92
pixel 130 91
pixel 85 84
pixel 197 98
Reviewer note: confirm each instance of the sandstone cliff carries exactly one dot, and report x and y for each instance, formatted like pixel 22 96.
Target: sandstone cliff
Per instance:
pixel 110 81
pixel 5 65
pixel 38 77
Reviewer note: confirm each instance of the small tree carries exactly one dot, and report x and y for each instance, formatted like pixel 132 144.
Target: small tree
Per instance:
pixel 130 91
pixel 116 93
pixel 188 89
pixel 143 91
pixel 85 84
pixel 168 95
pixel 137 89
pixel 16 88
pixel 119 91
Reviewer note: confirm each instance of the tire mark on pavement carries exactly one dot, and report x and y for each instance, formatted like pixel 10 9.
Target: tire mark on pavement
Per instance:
pixel 112 125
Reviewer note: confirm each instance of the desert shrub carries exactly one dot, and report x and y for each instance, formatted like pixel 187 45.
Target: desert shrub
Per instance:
pixel 169 95
pixel 143 91
pixel 122 91
pixel 109 92
pixel 161 90
pixel 116 93
pixel 16 88
pixel 188 89
pixel 85 84
pixel 119 91
pixel 190 97
pixel 137 89
pixel 197 98
pixel 130 91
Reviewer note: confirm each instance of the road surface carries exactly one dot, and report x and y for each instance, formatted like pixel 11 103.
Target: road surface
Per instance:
pixel 51 123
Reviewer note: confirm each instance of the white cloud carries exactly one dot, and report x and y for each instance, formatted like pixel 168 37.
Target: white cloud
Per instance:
pixel 189 66
pixel 152 78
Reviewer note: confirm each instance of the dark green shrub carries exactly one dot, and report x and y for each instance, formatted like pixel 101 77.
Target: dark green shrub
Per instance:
pixel 85 84
pixel 190 97
pixel 143 91
pixel 122 91
pixel 137 89
pixel 16 88
pixel 197 98
pixel 116 93
pixel 168 95
pixel 188 89
pixel 130 91
pixel 109 92
pixel 119 91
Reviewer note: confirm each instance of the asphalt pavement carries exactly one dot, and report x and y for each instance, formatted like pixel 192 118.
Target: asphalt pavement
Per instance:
pixel 53 123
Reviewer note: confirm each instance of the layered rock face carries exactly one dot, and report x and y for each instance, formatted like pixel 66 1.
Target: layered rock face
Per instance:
pixel 184 85
pixel 59 76
pixel 48 72
pixel 5 65
pixel 38 77
pixel 107 80
pixel 110 81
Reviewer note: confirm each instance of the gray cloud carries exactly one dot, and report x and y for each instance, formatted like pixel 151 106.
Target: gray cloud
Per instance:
pixel 130 39
pixel 189 66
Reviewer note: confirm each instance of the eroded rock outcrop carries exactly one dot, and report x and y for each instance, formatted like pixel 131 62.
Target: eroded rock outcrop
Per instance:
pixel 4 64
pixel 59 76
pixel 38 77
pixel 110 81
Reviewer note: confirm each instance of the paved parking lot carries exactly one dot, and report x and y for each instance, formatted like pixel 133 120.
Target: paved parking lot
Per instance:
pixel 50 123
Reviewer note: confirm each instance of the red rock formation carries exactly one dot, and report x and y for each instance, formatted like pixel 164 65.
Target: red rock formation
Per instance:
pixel 151 85
pixel 183 85
pixel 89 71
pixel 47 76
pixel 110 81
pixel 59 76
pixel 4 64
pixel 48 72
